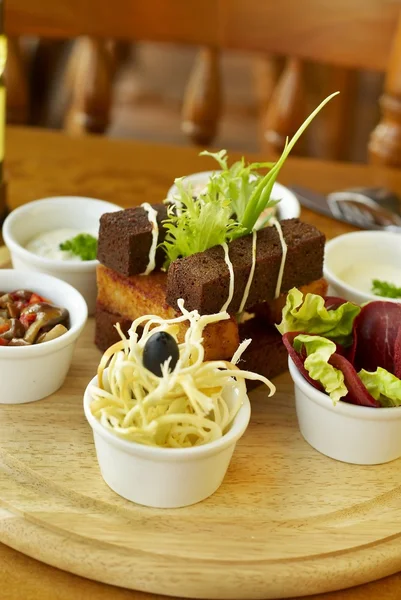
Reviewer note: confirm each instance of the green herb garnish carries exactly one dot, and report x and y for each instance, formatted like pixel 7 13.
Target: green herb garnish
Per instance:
pixel 385 289
pixel 83 245
pixel 198 224
pixel 230 205
pixel 239 181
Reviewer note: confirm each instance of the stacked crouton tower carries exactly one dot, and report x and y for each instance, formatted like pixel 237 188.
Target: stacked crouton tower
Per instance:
pixel 125 292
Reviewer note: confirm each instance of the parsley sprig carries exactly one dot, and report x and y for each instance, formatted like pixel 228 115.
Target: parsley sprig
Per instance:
pixel 385 289
pixel 83 245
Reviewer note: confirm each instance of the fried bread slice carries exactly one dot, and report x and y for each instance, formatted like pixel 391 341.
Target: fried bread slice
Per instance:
pixel 128 298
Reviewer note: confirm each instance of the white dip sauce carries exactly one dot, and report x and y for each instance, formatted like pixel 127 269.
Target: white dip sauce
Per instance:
pixel 47 244
pixel 361 275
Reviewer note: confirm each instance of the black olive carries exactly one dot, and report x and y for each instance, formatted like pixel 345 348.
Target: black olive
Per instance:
pixel 160 347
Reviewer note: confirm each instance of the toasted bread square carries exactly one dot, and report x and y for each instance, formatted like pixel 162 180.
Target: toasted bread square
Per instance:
pixel 135 296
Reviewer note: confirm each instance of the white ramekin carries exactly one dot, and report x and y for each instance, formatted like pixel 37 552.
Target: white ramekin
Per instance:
pixel 346 432
pixel 360 247
pixel 36 217
pixel 288 208
pixel 165 477
pixel 29 373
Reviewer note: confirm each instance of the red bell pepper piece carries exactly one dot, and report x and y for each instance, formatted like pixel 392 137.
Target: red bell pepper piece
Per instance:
pixel 35 298
pixel 26 319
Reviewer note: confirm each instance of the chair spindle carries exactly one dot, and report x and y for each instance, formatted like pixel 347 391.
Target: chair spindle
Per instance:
pixel 285 111
pixel 385 140
pixel 91 92
pixel 16 77
pixel 202 99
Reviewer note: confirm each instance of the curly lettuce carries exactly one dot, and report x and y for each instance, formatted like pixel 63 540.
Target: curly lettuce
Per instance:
pixel 239 181
pixel 383 386
pixel 194 225
pixel 319 350
pixel 233 203
pixel 310 315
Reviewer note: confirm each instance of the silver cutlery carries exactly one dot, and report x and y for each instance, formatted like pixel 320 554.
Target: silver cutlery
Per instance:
pixel 367 208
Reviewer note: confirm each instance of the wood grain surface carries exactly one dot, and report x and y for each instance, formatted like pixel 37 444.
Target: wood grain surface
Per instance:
pixel 4 257
pixel 331 525
pixel 286 519
pixel 46 163
pixel 309 30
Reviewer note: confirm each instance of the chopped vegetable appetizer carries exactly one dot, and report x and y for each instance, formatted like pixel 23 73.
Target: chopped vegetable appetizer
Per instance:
pixel 352 353
pixel 26 318
pixel 83 245
pixel 151 395
pixel 385 289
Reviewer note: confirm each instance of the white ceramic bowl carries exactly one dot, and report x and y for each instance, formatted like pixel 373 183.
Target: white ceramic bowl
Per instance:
pixel 165 477
pixel 352 260
pixel 352 434
pixel 29 373
pixel 288 208
pixel 48 214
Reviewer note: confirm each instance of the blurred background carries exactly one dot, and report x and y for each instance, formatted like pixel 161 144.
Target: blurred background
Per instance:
pixel 149 82
pixel 246 93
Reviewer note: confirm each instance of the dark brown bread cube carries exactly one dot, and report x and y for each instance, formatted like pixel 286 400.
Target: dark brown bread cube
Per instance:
pixel 125 239
pixel 266 354
pixel 105 333
pixel 203 279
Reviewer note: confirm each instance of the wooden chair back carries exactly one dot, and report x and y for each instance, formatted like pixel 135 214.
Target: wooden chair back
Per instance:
pixel 348 34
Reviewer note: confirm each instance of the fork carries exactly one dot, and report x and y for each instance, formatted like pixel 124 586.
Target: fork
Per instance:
pixel 363 212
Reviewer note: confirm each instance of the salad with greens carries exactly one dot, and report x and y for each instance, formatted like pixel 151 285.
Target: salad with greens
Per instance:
pixel 230 205
pixel 350 352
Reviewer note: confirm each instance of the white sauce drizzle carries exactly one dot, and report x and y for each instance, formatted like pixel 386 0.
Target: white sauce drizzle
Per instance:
pixel 231 271
pixel 152 216
pixel 277 225
pixel 251 273
pixel 274 222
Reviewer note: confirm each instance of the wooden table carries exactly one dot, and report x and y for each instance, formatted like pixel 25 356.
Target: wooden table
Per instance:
pixel 42 164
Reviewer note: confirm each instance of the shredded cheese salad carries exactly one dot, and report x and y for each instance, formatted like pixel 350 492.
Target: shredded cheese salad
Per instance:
pixel 184 407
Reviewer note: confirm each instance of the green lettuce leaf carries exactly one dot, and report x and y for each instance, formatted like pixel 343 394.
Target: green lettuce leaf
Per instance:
pixel 239 181
pixel 319 350
pixel 383 386
pixel 310 315
pixel 194 225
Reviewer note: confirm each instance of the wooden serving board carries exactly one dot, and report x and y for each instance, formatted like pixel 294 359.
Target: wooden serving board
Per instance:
pixel 4 257
pixel 287 521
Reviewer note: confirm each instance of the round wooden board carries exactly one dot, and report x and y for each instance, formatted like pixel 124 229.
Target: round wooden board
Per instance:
pixel 287 521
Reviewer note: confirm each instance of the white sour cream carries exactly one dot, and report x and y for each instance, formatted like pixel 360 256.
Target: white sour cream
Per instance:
pixel 47 244
pixel 361 275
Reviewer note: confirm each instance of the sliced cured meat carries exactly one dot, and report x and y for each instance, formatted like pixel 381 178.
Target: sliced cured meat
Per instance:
pixel 376 334
pixel 299 358
pixel 357 392
pixel 333 302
